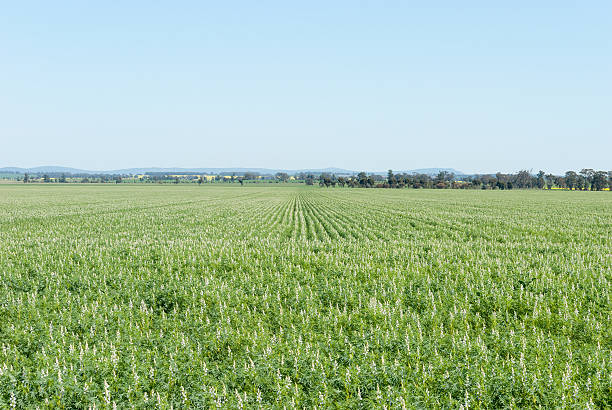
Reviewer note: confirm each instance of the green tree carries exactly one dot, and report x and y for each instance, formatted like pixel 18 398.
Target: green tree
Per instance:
pixel 571 179
pixel 587 174
pixel 391 180
pixel 26 178
pixel 581 182
pixel 282 176
pixel 327 180
pixel 541 180
pixel 550 180
pixel 560 182
pixel 362 178
pixel 522 179
pixel 599 180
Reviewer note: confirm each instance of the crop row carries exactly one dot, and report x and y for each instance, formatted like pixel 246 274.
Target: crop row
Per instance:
pixel 178 296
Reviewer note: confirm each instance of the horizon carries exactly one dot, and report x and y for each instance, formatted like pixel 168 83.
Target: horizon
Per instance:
pixel 330 169
pixel 481 88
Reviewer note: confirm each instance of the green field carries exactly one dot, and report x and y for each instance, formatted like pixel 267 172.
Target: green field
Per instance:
pixel 294 296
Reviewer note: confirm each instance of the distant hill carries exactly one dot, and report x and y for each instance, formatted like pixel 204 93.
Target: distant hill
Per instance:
pixel 431 171
pixel 49 169
pixel 135 171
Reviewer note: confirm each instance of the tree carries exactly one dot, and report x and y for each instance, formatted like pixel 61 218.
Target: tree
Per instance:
pixel 371 181
pixel 391 180
pixel 493 183
pixel 63 179
pixel 118 179
pixel 523 179
pixel 362 178
pixel 550 179
pixel 587 174
pixel 405 180
pixel 599 180
pixel 46 178
pixel 200 180
pixel 26 178
pixel 571 179
pixel 581 182
pixel 282 176
pixel 327 180
pixel 541 180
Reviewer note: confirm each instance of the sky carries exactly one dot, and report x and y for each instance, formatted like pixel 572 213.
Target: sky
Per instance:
pixel 478 86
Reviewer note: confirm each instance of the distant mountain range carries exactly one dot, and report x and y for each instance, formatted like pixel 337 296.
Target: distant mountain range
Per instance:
pixel 136 171
pixel 428 171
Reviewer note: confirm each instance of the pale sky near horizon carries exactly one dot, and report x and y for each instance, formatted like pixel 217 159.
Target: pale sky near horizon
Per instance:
pixel 371 85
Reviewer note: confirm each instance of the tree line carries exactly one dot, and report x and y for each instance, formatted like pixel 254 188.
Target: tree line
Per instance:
pixel 586 179
pixel 63 178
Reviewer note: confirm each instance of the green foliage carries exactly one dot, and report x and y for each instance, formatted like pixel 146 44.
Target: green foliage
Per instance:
pixel 227 296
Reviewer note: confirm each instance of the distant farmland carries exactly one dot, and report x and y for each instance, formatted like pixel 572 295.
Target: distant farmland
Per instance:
pixel 272 297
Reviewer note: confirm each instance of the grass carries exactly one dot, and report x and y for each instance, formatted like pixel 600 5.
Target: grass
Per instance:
pixel 283 296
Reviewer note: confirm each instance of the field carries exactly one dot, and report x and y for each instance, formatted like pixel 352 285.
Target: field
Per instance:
pixel 294 296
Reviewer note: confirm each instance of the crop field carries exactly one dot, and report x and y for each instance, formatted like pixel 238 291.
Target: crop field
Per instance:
pixel 300 297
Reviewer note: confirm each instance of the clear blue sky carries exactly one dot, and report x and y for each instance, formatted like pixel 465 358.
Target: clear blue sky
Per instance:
pixel 373 85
